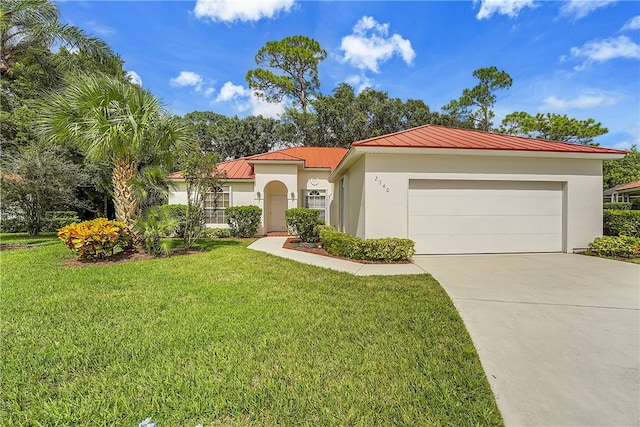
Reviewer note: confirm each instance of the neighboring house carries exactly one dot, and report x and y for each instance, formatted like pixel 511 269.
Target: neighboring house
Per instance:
pixel 450 190
pixel 274 181
pixel 622 193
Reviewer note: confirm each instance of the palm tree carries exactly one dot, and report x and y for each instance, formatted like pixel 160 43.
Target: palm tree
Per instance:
pixel 29 25
pixel 118 122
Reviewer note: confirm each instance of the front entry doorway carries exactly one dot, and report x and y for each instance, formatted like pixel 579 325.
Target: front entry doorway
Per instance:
pixel 277 209
pixel 276 206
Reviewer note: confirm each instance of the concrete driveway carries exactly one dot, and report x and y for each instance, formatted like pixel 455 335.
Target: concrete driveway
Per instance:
pixel 558 335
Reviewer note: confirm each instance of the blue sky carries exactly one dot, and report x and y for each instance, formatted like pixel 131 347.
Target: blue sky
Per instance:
pixel 580 58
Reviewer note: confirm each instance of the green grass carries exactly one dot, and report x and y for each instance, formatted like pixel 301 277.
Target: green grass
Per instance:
pixel 230 337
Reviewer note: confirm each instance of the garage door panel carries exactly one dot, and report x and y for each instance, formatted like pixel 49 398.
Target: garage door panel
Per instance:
pixel 487 204
pixel 497 225
pixel 450 244
pixel 485 216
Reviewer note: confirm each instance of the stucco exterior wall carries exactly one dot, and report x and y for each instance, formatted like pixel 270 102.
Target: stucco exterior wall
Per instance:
pixel 386 179
pixel 354 200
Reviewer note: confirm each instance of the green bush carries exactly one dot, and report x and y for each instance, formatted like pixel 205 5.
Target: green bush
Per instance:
pixel 216 233
pixel 621 222
pixel 154 224
pixel 386 249
pixel 13 225
pixel 304 222
pixel 635 204
pixel 619 206
pixel 97 239
pixel 52 222
pixel 243 220
pixel 179 212
pixel 55 220
pixel 615 246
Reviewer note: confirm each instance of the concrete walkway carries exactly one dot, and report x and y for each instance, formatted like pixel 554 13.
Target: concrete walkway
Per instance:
pixel 273 245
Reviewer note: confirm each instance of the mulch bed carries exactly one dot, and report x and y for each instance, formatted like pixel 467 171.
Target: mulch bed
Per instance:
pixel 297 245
pixel 128 256
pixel 14 246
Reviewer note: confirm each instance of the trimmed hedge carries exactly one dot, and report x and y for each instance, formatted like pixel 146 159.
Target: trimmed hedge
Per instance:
pixel 621 222
pixel 615 246
pixel 618 206
pixel 216 233
pixel 386 249
pixel 304 222
pixel 53 221
pixel 243 220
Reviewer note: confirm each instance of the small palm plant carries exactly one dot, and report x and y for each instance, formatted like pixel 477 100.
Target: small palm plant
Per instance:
pixel 154 224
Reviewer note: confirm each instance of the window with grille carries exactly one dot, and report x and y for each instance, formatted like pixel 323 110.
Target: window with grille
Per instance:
pixel 215 202
pixel 316 199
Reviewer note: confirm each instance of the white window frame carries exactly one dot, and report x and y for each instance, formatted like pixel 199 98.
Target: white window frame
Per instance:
pixel 213 214
pixel 313 199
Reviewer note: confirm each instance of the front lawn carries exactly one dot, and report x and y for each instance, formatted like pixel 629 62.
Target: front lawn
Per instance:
pixel 230 337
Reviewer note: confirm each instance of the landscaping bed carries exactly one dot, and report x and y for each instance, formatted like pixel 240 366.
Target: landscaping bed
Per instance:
pixel 296 244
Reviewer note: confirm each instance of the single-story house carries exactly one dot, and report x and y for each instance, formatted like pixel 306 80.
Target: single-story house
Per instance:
pixel 623 192
pixel 450 190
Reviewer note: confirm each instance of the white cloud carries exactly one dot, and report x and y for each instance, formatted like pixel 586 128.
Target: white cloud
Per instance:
pixel 230 91
pixel 359 82
pixel 134 77
pixel 633 24
pixel 622 145
pixel 511 8
pixel 240 10
pixel 247 100
pixel 554 103
pixel 581 8
pixel 369 45
pixel 188 78
pixel 605 50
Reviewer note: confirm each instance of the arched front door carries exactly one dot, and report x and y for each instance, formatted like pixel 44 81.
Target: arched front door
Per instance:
pixel 276 205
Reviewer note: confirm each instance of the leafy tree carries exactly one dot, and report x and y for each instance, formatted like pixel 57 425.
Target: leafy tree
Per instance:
pixel 344 117
pixel 200 176
pixel 37 180
pixel 297 59
pixel 118 122
pixel 617 172
pixel 231 137
pixel 553 127
pixel 34 26
pixel 474 107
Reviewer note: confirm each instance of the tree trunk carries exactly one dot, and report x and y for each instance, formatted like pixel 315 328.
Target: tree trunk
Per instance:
pixel 126 203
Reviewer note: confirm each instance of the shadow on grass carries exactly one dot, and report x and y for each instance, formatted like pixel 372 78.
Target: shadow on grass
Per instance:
pixel 207 245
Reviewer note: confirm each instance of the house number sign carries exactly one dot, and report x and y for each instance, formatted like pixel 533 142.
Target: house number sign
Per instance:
pixel 381 184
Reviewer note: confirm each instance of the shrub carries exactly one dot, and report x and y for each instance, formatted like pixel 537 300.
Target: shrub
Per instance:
pixel 154 224
pixel 243 220
pixel 304 222
pixel 635 204
pixel 620 206
pixel 615 246
pixel 216 233
pixel 179 212
pixel 97 239
pixel 386 249
pixel 55 220
pixel 13 225
pixel 625 222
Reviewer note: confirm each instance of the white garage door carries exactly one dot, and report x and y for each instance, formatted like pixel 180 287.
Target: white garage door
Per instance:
pixel 455 217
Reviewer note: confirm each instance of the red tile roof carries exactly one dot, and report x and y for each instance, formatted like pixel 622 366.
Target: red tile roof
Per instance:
pixel 433 136
pixel 628 186
pixel 312 157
